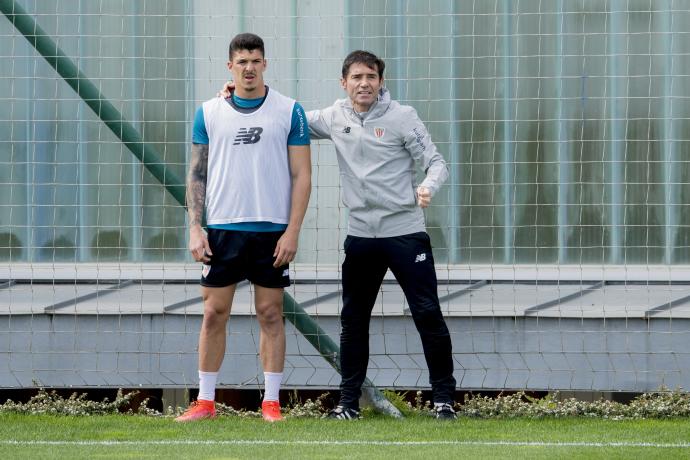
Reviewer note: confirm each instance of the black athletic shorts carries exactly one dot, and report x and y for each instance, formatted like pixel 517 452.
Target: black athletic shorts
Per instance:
pixel 239 256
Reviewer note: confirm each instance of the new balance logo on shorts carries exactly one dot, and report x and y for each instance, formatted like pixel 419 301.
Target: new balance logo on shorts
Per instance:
pixel 420 257
pixel 248 136
pixel 286 272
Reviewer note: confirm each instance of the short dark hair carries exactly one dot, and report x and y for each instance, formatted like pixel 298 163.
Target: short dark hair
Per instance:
pixel 247 42
pixel 363 57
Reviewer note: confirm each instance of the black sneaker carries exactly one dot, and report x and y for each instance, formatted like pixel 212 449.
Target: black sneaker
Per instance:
pixel 343 413
pixel 444 411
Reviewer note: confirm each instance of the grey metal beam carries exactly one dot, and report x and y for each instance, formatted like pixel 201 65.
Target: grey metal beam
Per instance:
pixel 560 300
pixel 188 302
pixel 92 295
pixel 7 284
pixel 467 290
pixel 182 304
pixel 308 303
pixel 667 306
pixel 321 298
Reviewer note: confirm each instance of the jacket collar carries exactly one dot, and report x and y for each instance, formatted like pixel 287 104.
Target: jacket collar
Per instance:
pixel 377 109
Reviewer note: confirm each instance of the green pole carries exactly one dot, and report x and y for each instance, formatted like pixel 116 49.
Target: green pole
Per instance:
pixel 64 66
pixel 311 330
pixel 129 135
pixel 328 349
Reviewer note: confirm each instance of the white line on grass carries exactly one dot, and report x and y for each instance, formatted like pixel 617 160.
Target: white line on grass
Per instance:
pixel 259 442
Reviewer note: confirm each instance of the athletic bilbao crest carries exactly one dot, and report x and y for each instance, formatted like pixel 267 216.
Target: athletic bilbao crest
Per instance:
pixel 379 132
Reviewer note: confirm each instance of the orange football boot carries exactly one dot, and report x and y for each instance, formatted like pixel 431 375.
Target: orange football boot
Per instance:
pixel 198 410
pixel 270 411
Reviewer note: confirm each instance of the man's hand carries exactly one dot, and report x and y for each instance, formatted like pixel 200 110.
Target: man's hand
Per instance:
pixel 286 248
pixel 227 90
pixel 198 245
pixel 423 197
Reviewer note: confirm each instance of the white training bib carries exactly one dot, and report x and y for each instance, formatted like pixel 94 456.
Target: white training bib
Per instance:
pixel 248 169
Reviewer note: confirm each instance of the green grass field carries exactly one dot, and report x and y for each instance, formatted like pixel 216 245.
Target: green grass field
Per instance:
pixel 121 436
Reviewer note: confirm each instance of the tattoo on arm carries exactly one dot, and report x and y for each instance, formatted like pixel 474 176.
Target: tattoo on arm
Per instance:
pixel 196 183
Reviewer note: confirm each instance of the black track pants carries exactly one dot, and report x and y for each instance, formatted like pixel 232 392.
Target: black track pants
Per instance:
pixel 366 262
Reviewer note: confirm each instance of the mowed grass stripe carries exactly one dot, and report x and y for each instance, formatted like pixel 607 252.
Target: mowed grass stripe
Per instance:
pixel 259 442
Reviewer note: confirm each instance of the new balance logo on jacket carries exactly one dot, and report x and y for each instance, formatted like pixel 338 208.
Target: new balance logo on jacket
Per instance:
pixel 248 136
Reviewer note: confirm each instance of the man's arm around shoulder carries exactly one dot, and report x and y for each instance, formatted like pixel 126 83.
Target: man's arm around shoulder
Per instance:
pixel 320 123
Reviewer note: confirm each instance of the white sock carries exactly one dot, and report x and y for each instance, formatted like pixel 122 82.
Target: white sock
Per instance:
pixel 272 385
pixel 207 385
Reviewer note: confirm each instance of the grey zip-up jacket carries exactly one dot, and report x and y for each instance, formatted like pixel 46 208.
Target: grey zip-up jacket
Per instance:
pixel 377 152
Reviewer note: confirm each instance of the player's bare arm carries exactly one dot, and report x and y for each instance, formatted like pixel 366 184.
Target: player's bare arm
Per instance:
pixel 196 199
pixel 300 171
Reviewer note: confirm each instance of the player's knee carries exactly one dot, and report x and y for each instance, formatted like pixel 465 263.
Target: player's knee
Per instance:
pixel 215 316
pixel 269 314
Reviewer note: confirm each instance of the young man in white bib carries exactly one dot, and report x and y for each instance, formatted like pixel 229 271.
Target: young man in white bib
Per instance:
pixel 251 171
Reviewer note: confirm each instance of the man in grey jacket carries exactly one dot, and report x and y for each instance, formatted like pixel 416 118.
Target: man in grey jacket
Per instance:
pixel 378 142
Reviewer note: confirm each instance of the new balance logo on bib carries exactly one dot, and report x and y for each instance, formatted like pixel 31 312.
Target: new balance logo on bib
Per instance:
pixel 248 162
pixel 248 136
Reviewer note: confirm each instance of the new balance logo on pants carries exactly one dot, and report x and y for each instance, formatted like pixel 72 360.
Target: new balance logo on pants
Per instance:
pixel 420 257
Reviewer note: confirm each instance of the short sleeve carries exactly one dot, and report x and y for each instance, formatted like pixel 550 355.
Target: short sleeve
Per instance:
pixel 299 130
pixel 199 134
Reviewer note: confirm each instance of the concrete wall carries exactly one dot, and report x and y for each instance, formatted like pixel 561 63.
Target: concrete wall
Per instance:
pixel 490 353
